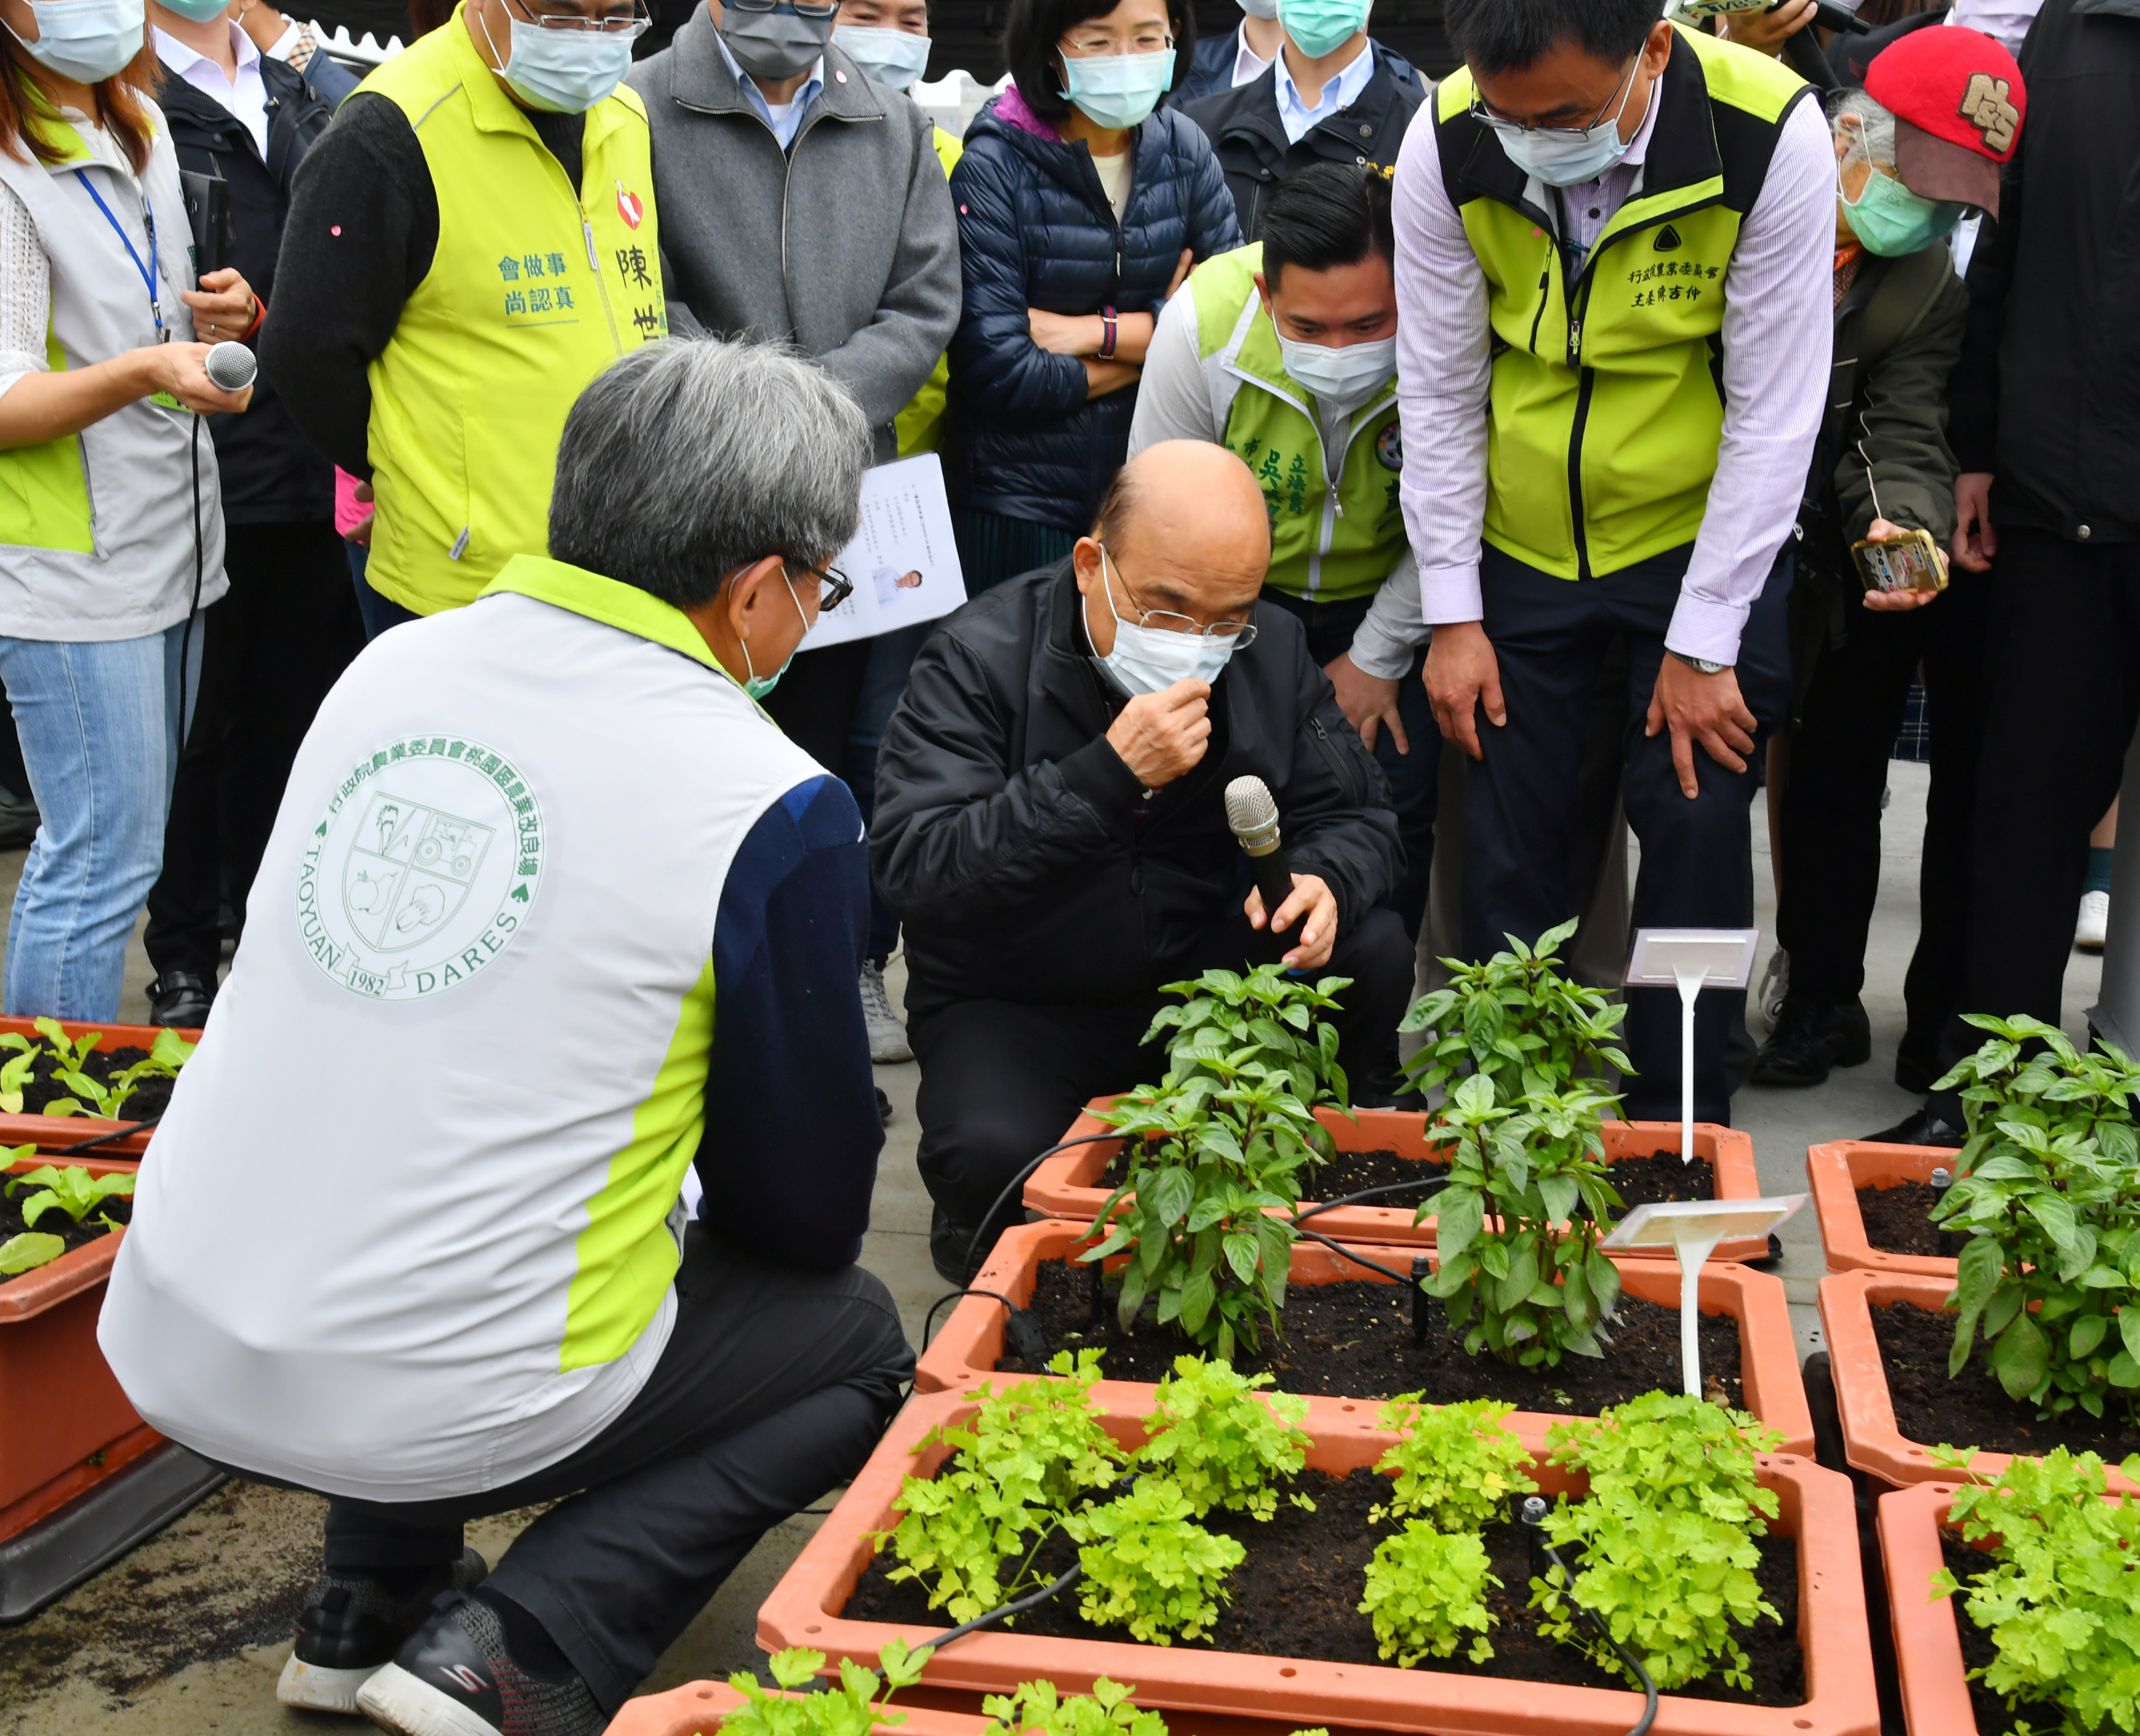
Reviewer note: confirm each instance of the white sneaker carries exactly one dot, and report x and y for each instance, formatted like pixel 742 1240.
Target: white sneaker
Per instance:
pixel 887 1036
pixel 2095 921
pixel 1775 984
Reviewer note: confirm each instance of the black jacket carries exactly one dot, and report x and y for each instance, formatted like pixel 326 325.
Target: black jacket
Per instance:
pixel 1243 127
pixel 2047 394
pixel 1023 855
pixel 1035 230
pixel 1210 67
pixel 270 475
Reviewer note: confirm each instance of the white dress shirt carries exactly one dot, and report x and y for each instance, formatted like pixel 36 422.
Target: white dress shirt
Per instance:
pixel 787 118
pixel 1340 92
pixel 1777 336
pixel 246 98
pixel 1249 65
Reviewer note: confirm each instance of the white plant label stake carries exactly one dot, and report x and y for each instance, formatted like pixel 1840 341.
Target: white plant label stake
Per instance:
pixel 1691 1229
pixel 1691 960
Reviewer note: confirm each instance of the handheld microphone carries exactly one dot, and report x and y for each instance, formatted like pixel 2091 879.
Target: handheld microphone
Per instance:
pixel 1253 815
pixel 231 366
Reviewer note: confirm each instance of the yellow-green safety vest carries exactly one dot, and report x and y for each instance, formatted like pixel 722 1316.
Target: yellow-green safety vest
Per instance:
pixel 920 425
pixel 1606 403
pixel 1331 539
pixel 535 288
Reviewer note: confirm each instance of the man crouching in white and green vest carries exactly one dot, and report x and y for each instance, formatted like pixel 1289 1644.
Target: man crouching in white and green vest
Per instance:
pixel 558 916
pixel 471 241
pixel 1613 274
pixel 1284 352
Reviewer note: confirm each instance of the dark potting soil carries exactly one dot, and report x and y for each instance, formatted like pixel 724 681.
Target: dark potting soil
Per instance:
pixel 1296 1594
pixel 54 1222
pixel 1896 1219
pixel 1639 1180
pixel 149 1097
pixel 1978 1651
pixel 1357 1339
pixel 1974 1411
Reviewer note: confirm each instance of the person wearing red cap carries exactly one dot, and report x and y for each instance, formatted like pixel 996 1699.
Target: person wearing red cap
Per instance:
pixel 2043 424
pixel 1882 470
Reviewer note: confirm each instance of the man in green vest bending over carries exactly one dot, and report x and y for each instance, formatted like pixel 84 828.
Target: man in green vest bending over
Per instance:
pixel 469 244
pixel 1284 352
pixel 1613 286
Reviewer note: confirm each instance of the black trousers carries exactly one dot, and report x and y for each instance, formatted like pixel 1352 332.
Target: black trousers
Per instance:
pixel 2064 679
pixel 1831 805
pixel 1415 781
pixel 1550 636
pixel 774 1385
pixel 270 649
pixel 1001 1080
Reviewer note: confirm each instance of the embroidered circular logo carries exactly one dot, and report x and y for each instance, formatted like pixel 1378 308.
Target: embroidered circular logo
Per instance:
pixel 422 868
pixel 1389 447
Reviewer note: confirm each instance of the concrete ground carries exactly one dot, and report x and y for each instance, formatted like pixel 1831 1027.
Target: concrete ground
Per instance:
pixel 187 1633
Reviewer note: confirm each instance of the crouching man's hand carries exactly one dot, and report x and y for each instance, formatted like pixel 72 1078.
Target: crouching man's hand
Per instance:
pixel 1311 900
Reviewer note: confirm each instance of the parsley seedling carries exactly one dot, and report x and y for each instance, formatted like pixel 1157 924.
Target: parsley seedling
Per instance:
pixel 1424 1592
pixel 853 1709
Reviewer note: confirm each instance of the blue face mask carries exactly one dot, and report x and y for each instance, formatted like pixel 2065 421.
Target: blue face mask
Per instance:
pixel 565 71
pixel 1117 92
pixel 1318 28
pixel 894 58
pixel 759 686
pixel 91 39
pixel 1151 659
pixel 200 11
pixel 1562 156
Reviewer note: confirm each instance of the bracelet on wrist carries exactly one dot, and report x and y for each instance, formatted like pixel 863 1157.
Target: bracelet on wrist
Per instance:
pixel 1111 330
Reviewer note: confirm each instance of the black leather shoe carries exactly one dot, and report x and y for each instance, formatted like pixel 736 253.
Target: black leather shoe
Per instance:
pixel 456 1677
pixel 1810 1037
pixel 181 998
pixel 1917 1063
pixel 949 1240
pixel 18 820
pixel 883 1106
pixel 1922 1127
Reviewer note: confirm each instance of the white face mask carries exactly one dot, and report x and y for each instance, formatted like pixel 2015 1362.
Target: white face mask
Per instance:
pixel 1342 376
pixel 894 58
pixel 1567 156
pixel 1150 660
pixel 1261 8
pixel 91 39
pixel 564 71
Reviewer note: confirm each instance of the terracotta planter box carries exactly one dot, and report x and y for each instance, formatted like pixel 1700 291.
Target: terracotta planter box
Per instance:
pixel 1837 1170
pixel 698 1707
pixel 1872 1440
pixel 64 1425
pixel 1927 1632
pixel 1816 1508
pixel 963 1351
pixel 49 1133
pixel 1069 1185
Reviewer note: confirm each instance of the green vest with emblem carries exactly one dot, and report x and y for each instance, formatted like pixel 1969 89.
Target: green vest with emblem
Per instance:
pixel 1606 403
pixel 535 288
pixel 1330 542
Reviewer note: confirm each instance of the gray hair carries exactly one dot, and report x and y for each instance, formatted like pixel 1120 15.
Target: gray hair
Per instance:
pixel 1878 122
pixel 690 458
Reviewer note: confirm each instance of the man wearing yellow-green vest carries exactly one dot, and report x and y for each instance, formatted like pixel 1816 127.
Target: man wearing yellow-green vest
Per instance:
pixel 1613 278
pixel 469 244
pixel 1284 352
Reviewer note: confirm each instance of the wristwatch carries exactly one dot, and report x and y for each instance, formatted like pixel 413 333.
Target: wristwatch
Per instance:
pixel 1699 665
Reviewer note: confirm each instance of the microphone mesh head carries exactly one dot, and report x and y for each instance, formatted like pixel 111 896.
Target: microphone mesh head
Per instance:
pixel 231 366
pixel 1249 805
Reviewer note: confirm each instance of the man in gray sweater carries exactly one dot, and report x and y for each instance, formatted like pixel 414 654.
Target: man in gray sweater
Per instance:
pixel 801 202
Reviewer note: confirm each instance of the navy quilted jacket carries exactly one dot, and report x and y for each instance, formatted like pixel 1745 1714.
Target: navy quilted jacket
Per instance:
pixel 1035 230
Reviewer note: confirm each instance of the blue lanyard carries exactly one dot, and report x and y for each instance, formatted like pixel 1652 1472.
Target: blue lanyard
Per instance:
pixel 149 272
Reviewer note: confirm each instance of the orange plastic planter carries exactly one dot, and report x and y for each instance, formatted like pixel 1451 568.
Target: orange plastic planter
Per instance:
pixel 1872 1441
pixel 699 1707
pixel 1927 1631
pixel 1068 1184
pixel 49 1133
pixel 964 1353
pixel 1816 1508
pixel 1837 1170
pixel 61 1407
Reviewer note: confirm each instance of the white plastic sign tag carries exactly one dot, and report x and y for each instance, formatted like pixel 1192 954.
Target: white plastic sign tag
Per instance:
pixel 1691 1229
pixel 1662 956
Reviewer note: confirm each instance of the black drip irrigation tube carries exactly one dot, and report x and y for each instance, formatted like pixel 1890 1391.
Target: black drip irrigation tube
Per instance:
pixel 106 1139
pixel 1533 1518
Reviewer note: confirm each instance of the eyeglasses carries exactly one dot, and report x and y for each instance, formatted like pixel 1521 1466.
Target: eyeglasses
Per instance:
pixel 803 8
pixel 637 22
pixel 1238 634
pixel 1149 41
pixel 838 586
pixel 1509 129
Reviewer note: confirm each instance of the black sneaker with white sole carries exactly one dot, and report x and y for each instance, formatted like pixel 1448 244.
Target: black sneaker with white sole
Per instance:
pixel 352 1626
pixel 457 1678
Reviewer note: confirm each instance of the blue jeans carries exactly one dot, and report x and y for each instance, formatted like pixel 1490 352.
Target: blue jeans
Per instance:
pixel 100 725
pixel 378 612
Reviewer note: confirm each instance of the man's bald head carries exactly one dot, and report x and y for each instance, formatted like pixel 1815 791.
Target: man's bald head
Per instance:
pixel 1186 530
